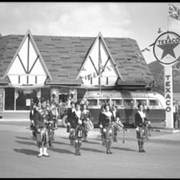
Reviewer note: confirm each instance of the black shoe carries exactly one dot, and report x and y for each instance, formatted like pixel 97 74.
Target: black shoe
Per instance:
pixel 143 150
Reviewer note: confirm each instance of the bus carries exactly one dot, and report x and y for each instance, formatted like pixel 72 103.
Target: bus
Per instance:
pixel 126 102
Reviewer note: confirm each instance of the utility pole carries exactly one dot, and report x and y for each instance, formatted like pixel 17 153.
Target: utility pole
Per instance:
pixel 100 64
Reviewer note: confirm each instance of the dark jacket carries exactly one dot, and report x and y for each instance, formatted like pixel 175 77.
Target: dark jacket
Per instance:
pixel 138 120
pixel 114 118
pixel 74 120
pixel 39 118
pixel 106 120
pixel 101 117
pixel 69 114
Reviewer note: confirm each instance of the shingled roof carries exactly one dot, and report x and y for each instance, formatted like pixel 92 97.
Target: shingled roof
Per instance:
pixel 64 56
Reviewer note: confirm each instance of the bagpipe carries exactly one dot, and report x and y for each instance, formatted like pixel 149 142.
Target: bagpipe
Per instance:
pixel 119 126
pixel 79 131
pixel 42 135
pixel 50 126
pixel 89 125
pixel 108 131
pixel 144 130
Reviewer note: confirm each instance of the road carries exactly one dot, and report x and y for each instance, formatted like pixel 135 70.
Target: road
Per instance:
pixel 18 156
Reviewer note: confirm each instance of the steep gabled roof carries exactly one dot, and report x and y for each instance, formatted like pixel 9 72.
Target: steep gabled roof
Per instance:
pixel 64 56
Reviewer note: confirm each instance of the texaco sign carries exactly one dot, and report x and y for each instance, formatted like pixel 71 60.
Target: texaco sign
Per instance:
pixel 166 48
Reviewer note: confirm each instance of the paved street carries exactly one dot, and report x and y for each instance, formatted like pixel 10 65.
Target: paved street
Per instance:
pixel 18 156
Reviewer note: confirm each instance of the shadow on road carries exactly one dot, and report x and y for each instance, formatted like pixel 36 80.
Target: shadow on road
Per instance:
pixel 91 142
pixel 27 151
pixel 25 142
pixel 64 137
pixel 25 138
pixel 123 149
pixel 57 142
pixel 93 150
pixel 61 150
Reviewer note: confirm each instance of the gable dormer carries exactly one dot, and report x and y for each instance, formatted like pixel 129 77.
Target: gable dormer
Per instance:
pixel 27 67
pixel 99 68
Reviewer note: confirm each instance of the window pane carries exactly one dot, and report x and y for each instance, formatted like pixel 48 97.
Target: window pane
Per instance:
pixel 153 102
pixel 117 102
pixel 92 102
pixel 143 101
pixel 9 99
pixel 24 98
pixel 45 93
pixel 103 101
pixel 63 98
pixel 128 103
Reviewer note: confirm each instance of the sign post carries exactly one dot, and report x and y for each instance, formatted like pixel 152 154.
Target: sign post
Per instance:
pixel 166 50
pixel 168 94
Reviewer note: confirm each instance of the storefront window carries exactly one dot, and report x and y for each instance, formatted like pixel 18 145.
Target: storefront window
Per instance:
pixel 63 97
pixel 9 98
pixel 46 93
pixel 19 99
pixel 24 98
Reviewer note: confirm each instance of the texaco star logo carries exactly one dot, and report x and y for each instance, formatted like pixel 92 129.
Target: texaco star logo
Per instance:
pixel 166 48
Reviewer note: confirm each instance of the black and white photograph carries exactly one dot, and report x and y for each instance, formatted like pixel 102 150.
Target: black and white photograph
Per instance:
pixel 90 90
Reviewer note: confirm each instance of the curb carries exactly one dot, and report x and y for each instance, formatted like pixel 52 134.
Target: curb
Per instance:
pixel 166 130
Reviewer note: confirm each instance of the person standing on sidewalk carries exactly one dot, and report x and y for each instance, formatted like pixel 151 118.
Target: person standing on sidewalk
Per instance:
pixel 140 123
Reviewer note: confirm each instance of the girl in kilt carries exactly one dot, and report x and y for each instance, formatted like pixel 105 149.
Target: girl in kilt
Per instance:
pixel 106 124
pixel 42 134
pixel 76 124
pixel 85 119
pixel 140 123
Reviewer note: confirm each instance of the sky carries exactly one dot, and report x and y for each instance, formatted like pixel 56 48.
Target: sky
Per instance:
pixel 139 21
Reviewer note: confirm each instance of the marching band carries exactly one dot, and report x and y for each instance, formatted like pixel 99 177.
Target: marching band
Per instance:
pixel 44 121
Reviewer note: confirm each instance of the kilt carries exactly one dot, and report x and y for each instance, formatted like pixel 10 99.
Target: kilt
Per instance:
pixel 140 133
pixel 89 125
pixel 108 131
pixel 42 137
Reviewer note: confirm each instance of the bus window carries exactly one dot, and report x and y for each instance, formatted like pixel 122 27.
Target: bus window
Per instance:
pixel 143 101
pixel 128 103
pixel 153 102
pixel 92 102
pixel 103 101
pixel 117 102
